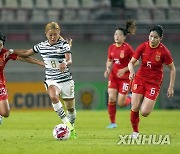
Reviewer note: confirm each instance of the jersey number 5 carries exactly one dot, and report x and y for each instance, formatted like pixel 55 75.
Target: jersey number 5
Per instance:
pixel 149 64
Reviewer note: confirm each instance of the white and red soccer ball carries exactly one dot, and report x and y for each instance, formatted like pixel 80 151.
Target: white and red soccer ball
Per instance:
pixel 61 132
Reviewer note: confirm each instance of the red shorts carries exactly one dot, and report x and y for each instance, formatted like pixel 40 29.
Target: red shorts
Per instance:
pixel 145 88
pixel 122 85
pixel 3 92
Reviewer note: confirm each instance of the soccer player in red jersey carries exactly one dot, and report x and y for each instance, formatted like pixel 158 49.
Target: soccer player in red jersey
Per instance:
pixel 4 104
pixel 147 81
pixel 119 55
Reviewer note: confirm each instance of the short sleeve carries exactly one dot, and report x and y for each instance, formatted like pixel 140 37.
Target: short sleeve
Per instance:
pixel 36 48
pixel 130 51
pixel 13 56
pixel 167 57
pixel 66 47
pixel 139 51
pixel 109 52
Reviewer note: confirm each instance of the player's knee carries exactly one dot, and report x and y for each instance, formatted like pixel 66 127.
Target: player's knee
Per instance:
pixel 71 110
pixel 112 99
pixel 121 104
pixel 145 114
pixel 54 98
pixel 5 115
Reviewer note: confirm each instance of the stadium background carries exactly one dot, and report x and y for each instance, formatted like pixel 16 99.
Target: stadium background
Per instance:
pixel 91 25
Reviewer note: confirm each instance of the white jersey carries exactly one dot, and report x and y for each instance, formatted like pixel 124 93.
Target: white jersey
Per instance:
pixel 53 55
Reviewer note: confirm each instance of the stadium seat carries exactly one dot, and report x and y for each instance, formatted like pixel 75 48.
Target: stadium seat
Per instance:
pixel 38 16
pixel 22 16
pixel 173 14
pixel 7 16
pixel 57 4
pixel 26 4
pixel 42 4
pixel 144 15
pixel 131 4
pixel 69 15
pixel 72 4
pixel 1 4
pixel 175 4
pixel 53 15
pixel 159 14
pixel 162 4
pixel 83 14
pixel 89 4
pixel 148 4
pixel 11 4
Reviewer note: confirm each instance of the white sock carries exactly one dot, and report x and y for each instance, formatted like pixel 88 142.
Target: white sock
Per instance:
pixel 60 111
pixel 57 106
pixel 71 116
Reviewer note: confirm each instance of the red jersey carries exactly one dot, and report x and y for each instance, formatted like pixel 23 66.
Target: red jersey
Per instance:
pixel 151 69
pixel 3 63
pixel 120 57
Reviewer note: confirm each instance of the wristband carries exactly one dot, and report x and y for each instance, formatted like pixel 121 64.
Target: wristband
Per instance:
pixel 11 51
pixel 65 62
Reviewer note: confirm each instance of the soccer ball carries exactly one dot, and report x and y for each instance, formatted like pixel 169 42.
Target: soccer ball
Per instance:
pixel 61 132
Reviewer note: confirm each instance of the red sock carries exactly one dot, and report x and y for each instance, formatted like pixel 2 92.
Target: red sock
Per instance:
pixel 112 111
pixel 135 120
pixel 128 101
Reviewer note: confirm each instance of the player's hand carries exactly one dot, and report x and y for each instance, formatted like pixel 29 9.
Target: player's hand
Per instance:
pixel 170 92
pixel 6 55
pixel 131 75
pixel 62 67
pixel 106 73
pixel 120 72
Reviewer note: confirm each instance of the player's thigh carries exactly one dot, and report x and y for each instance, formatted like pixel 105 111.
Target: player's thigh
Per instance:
pixel 67 90
pixel 112 94
pixel 121 99
pixel 152 91
pixel 52 88
pixel 136 100
pixel 4 108
pixel 147 106
pixel 123 90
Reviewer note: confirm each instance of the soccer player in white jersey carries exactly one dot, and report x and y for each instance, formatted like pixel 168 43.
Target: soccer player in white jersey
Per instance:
pixel 56 55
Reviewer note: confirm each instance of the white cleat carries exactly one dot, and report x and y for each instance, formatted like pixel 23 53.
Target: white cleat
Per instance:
pixel 135 135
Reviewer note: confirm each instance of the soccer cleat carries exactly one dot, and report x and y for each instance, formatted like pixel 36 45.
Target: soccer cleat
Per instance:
pixel 69 125
pixel 134 135
pixel 73 134
pixel 112 125
pixel 1 119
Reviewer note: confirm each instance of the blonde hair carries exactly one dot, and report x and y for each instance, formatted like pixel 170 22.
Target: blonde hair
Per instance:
pixel 52 25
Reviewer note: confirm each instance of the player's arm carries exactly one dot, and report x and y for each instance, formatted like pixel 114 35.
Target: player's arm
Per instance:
pixel 125 69
pixel 172 68
pixel 31 60
pixel 108 67
pixel 66 62
pixel 131 65
pixel 22 53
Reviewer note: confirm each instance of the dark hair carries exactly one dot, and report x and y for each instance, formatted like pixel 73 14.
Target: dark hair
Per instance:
pixel 2 38
pixel 130 27
pixel 158 29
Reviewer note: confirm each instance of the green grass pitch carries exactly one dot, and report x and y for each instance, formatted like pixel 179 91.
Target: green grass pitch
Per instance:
pixel 30 132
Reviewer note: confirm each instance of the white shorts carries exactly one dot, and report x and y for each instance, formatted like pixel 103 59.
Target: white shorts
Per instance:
pixel 66 88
